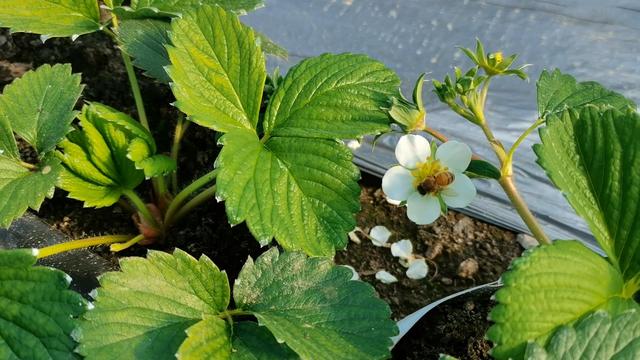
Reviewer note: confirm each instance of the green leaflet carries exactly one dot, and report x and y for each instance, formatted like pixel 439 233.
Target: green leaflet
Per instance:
pixel 39 106
pixel 594 158
pixel 143 311
pixel 208 339
pixel 254 342
pixel 145 41
pixel 314 307
pixel 37 311
pixel 548 287
pixel 333 97
pixel 558 92
pixel 21 188
pixel 302 191
pixel 141 9
pixel 598 336
pixel 482 169
pixel 51 18
pixel 98 168
pixel 217 83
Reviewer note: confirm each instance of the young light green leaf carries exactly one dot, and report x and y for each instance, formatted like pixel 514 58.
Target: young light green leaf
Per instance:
pixel 39 106
pixel 558 92
pixel 143 311
pixel 96 157
pixel 334 97
pixel 145 40
pixel 143 9
pixel 598 336
pixel 270 47
pixel 37 310
pixel 324 315
pixel 594 158
pixel 548 287
pixel 21 188
pixel 51 18
pixel 254 342
pixel 208 339
pixel 217 83
pixel 302 191
pixel 8 146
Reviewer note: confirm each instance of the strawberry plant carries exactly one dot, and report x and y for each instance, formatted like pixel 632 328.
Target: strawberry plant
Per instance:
pixel 283 170
pixel 560 300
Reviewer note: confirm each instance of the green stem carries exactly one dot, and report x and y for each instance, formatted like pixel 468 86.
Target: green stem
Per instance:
pixel 197 200
pixel 518 202
pixel 183 195
pixel 142 208
pixel 436 134
pixel 28 166
pixel 235 312
pixel 122 246
pixel 181 128
pixel 80 244
pixel 507 167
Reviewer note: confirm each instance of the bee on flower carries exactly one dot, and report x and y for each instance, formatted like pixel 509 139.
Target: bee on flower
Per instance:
pixel 426 180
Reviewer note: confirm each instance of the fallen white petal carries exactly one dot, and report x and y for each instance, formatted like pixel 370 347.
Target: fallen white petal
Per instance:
pixel 353 144
pixel 411 150
pixel 418 269
pixel 454 155
pixel 402 249
pixel 379 235
pixel 397 183
pixel 355 275
pixel 460 193
pixel 353 236
pixel 385 277
pixel 423 210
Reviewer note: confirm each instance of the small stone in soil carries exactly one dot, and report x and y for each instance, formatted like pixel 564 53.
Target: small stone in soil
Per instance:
pixel 468 268
pixel 446 281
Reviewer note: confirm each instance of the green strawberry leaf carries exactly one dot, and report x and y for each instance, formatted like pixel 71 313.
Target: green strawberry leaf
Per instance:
pixel 254 342
pixel 39 106
pixel 37 310
pixel 598 336
pixel 143 9
pixel 594 158
pixel 558 92
pixel 314 307
pixel 96 157
pixel 145 41
pixel 270 47
pixel 143 311
pixel 22 188
pixel 217 83
pixel 208 339
pixel 332 96
pixel 8 146
pixel 302 191
pixel 481 169
pixel 51 18
pixel 546 288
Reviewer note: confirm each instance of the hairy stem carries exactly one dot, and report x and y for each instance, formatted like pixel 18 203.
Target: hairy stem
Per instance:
pixel 181 128
pixel 507 167
pixel 80 244
pixel 518 202
pixel 28 166
pixel 436 134
pixel 197 200
pixel 142 208
pixel 183 195
pixel 125 245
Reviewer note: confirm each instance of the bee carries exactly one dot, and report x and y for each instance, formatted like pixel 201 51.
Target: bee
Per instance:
pixel 435 183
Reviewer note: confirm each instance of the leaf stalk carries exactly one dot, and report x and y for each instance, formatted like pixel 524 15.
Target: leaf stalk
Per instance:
pixel 81 244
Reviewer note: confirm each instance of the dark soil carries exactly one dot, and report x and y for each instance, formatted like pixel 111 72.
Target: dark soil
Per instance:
pixel 456 328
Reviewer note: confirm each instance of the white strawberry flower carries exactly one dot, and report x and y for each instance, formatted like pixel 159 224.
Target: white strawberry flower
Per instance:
pixel 424 179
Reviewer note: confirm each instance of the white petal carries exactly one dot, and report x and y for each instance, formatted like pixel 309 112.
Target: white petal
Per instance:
pixel 423 210
pixel 454 155
pixel 355 275
pixel 418 269
pixel 402 249
pixel 353 144
pixel 460 193
pixel 394 202
pixel 397 183
pixel 379 235
pixel 385 277
pixel 411 150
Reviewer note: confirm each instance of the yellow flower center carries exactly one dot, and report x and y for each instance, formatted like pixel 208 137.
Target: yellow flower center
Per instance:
pixel 427 169
pixel 497 56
